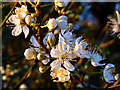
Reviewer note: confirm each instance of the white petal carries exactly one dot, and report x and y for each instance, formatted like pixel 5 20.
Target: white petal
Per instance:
pixel 45 61
pixel 61 38
pixel 28 19
pixel 78 40
pixel 71 54
pixel 26 30
pixel 21 15
pixel 62 24
pixel 54 53
pixel 17 30
pixel 62 17
pixel 47 37
pixel 34 41
pixel 24 8
pixel 62 46
pixel 67 78
pixel 29 54
pixel 109 65
pixel 69 66
pixel 56 64
pixel 68 35
pixel 96 63
pixel 13 19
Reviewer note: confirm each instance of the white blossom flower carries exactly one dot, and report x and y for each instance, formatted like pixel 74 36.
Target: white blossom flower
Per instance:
pixel 60 73
pixel 17 20
pixel 95 59
pixel 64 54
pixel 115 24
pixel 80 46
pixel 61 22
pixel 49 38
pixel 52 23
pixel 21 12
pixel 61 3
pixel 108 73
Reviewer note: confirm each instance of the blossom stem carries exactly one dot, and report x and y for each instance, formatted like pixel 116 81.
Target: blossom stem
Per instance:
pixel 114 86
pixel 46 5
pixel 26 75
pixel 31 3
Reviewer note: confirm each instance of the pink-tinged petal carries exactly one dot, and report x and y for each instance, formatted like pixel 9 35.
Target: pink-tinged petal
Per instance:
pixel 45 61
pixel 26 30
pixel 56 64
pixel 54 53
pixel 24 8
pixel 13 19
pixel 17 30
pixel 34 41
pixel 68 66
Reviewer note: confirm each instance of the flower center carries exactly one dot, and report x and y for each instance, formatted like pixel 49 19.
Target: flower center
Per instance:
pixel 62 57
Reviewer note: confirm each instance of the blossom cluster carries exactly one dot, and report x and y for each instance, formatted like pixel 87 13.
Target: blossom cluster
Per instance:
pixel 64 50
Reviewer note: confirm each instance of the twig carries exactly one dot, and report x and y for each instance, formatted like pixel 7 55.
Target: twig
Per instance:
pixel 8 15
pixel 114 86
pixel 26 75
pixel 46 5
pixel 83 83
pixel 41 43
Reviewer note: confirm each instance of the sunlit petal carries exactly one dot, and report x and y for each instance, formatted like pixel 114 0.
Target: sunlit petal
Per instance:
pixel 54 53
pixel 26 30
pixel 68 66
pixel 56 64
pixel 17 30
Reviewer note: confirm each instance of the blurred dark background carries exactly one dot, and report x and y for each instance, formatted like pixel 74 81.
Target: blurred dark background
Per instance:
pixel 88 19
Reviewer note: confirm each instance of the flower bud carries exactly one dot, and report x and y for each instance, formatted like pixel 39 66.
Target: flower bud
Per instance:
pixel 61 3
pixel 23 86
pixel 29 54
pixel 52 23
pixel 49 39
pixel 4 77
pixel 117 76
pixel 43 69
pixel 41 56
pixel 62 17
